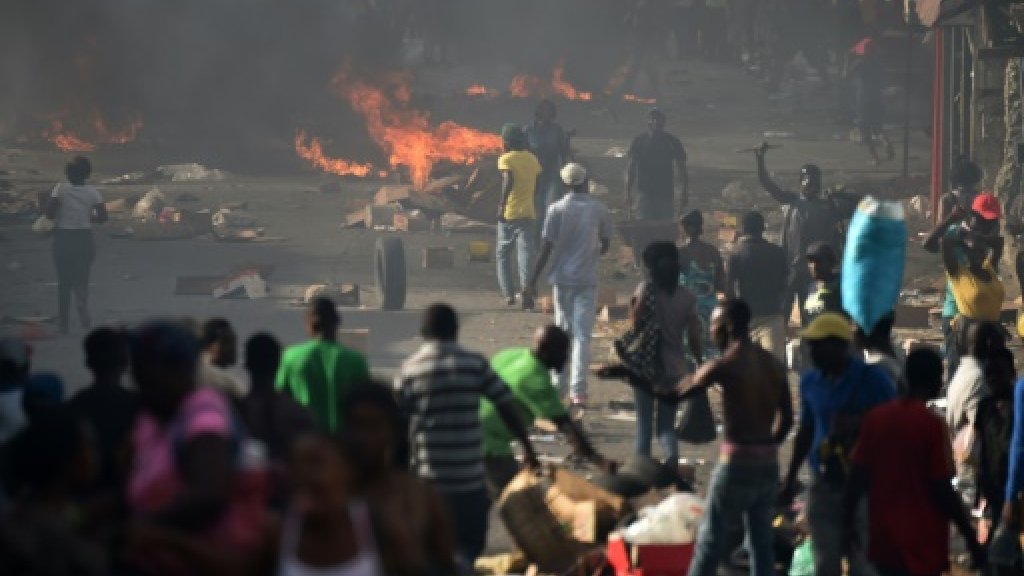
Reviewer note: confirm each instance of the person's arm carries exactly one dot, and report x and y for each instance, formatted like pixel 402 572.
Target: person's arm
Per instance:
pixel 100 215
pixel 785 422
pixel 705 377
pixel 52 207
pixel 538 268
pixel 206 474
pixel 605 232
pixel 933 239
pixel 580 443
pixel 801 449
pixel 781 196
pixel 684 178
pixel 507 182
pixel 510 416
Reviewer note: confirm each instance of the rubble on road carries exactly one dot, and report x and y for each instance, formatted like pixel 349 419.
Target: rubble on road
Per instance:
pixel 190 172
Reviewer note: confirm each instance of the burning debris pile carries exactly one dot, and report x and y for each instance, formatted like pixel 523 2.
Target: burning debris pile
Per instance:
pixel 530 86
pixel 403 132
pixel 69 136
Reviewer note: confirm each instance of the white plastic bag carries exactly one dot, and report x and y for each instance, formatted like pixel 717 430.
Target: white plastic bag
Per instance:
pixel 673 521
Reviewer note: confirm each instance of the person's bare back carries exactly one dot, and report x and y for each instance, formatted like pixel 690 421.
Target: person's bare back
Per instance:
pixel 754 387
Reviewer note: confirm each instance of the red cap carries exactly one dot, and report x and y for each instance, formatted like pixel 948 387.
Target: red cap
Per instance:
pixel 987 206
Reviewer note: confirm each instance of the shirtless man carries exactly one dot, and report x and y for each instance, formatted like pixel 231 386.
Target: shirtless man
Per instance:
pixel 758 416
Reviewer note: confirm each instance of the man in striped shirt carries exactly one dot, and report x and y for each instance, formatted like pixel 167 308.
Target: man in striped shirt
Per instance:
pixel 439 388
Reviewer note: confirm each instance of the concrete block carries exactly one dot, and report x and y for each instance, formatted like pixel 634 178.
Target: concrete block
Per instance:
pixel 391 193
pixel 348 295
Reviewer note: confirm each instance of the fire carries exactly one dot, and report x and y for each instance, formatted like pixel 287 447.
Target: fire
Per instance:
pixel 563 88
pixel 68 140
pixel 481 91
pixel 313 152
pixel 524 86
pixel 405 133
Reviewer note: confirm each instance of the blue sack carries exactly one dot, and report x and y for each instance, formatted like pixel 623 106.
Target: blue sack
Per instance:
pixel 872 273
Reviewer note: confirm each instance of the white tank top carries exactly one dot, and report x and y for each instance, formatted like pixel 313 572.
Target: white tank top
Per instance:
pixel 365 563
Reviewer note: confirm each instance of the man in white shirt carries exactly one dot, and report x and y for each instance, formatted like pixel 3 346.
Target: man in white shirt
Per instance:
pixel 220 353
pixel 576 232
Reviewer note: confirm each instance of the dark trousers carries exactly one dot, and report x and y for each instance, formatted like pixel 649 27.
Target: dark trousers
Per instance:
pixel 500 470
pixel 73 254
pixel 797 287
pixel 468 512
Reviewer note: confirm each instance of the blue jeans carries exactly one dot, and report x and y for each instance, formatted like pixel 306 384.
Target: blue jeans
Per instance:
pixel 549 190
pixel 662 415
pixel 521 234
pixel 468 513
pixel 575 312
pixel 739 491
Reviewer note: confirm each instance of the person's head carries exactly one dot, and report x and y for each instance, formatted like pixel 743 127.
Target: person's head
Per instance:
pixel 965 174
pixel 322 476
pixel 322 318
pixel 923 372
pixel 106 353
pixel 821 261
pixel 661 259
pixel 985 213
pixel 828 336
pixel 262 357
pixel 982 338
pixel 810 180
pixel 440 322
pixel 730 322
pixel 752 224
pixel 164 357
pixel 880 337
pixel 51 456
pixel 1000 373
pixel 513 137
pixel 43 393
pixel 15 360
pixel 574 177
pixel 220 342
pixel 656 120
pixel 551 347
pixel 78 170
pixel 545 112
pixel 692 224
pixel 375 428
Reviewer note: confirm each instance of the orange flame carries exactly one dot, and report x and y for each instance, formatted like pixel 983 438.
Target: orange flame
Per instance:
pixel 405 133
pixel 314 154
pixel 563 88
pixel 522 85
pixel 68 141
pixel 481 91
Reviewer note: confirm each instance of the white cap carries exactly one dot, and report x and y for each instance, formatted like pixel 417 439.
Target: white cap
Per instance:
pixel 573 174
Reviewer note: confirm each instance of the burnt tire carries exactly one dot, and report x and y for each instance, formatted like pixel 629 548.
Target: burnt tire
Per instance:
pixel 389 269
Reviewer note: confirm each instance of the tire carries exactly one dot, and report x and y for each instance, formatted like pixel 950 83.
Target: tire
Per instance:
pixel 389 269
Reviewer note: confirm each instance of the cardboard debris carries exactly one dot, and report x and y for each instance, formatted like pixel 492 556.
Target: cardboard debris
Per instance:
pixel 606 296
pixel 391 193
pixel 480 251
pixel 246 284
pixel 413 221
pixel 376 215
pixel 438 258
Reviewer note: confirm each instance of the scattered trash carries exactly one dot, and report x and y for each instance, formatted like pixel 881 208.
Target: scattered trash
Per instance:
pixel 191 172
pixel 616 152
pixel 150 205
pixel 245 284
pixel 673 521
pixel 778 134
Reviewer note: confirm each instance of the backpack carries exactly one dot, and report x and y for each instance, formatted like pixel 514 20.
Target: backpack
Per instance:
pixel 639 348
pixel 844 428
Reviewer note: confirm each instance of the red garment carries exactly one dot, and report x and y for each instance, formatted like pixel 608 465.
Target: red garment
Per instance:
pixel 905 448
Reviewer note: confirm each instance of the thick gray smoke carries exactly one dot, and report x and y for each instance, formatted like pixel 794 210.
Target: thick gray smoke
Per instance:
pixel 213 76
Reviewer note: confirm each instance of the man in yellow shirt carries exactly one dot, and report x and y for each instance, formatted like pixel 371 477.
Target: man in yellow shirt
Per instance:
pixel 517 217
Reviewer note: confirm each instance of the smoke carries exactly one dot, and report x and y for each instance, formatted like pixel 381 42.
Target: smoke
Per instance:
pixel 223 76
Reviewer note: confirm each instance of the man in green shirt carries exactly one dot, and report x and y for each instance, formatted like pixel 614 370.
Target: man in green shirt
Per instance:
pixel 527 372
pixel 319 373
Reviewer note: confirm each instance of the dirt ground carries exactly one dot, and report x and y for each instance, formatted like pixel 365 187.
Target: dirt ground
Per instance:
pixel 713 109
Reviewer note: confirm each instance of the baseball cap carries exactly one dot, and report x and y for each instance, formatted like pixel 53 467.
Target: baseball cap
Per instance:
pixel 828 325
pixel 819 250
pixel 573 174
pixel 987 206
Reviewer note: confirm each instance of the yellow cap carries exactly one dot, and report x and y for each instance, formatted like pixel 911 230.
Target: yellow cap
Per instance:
pixel 828 325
